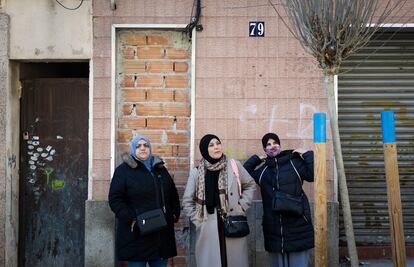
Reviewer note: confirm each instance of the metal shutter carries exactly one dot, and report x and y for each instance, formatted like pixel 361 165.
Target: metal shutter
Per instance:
pixel 378 77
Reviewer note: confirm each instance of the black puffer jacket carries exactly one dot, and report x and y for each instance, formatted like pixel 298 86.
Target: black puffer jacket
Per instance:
pixel 133 188
pixel 284 233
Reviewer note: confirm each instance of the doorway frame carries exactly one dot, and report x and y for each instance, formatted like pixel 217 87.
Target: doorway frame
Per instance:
pixel 114 29
pixel 12 148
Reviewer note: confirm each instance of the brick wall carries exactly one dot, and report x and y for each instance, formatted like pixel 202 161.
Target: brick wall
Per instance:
pixel 153 97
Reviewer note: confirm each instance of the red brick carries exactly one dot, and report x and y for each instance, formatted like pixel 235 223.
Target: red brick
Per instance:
pixel 181 96
pixel 157 40
pixel 171 150
pixel 176 81
pixel 124 135
pixel 181 150
pixel 149 109
pixel 173 53
pixel 168 123
pixel 178 137
pixel 135 39
pixel 134 95
pixel 129 53
pixel 160 95
pixel 159 66
pixel 149 81
pixel 162 150
pixel 173 109
pixel 134 66
pixel 177 163
pixel 128 109
pixel 129 81
pixel 182 124
pixel 160 123
pixel 132 123
pixel 150 53
pixel 180 67
pixel 155 136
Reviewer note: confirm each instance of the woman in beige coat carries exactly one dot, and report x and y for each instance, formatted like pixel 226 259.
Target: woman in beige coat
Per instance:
pixel 213 189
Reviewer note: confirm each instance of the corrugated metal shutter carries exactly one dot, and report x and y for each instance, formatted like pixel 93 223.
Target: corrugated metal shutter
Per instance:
pixel 378 77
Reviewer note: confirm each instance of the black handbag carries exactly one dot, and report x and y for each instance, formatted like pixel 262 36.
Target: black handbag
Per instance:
pixel 153 220
pixel 236 226
pixel 285 203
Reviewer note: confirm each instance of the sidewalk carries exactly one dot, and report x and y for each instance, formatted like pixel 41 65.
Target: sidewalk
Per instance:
pixel 380 263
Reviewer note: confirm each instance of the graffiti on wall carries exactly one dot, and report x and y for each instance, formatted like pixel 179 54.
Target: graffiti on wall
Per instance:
pixel 40 158
pixel 11 162
pixel 300 129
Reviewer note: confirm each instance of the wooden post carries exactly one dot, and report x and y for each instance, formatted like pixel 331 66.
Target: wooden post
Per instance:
pixel 393 189
pixel 321 240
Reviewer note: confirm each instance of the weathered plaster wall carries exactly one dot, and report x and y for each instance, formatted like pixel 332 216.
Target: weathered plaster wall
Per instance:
pixel 12 168
pixel 4 85
pixel 43 29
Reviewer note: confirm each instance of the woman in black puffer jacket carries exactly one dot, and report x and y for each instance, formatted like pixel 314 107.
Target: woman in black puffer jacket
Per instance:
pixel 136 187
pixel 288 238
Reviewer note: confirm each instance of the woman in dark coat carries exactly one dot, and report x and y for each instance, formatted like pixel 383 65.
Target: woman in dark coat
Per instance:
pixel 136 187
pixel 288 238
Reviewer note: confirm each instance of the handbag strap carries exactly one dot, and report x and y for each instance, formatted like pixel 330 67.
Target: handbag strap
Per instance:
pixel 236 173
pixel 162 193
pixel 261 175
pixel 299 177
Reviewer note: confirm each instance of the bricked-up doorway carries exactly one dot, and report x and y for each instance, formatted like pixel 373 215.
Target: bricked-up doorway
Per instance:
pixel 153 99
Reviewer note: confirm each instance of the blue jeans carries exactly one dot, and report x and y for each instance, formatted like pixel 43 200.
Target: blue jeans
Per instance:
pixel 152 263
pixel 291 259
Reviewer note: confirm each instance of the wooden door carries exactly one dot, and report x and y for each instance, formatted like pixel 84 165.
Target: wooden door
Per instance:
pixel 53 172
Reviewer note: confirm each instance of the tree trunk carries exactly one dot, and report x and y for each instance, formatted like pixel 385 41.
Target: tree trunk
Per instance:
pixel 343 188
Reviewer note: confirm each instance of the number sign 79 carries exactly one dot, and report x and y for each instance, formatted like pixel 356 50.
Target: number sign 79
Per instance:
pixel 257 28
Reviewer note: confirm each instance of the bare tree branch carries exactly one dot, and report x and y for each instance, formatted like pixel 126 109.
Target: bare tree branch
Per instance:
pixel 331 30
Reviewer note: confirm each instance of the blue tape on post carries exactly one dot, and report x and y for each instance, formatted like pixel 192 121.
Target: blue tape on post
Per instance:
pixel 319 128
pixel 388 128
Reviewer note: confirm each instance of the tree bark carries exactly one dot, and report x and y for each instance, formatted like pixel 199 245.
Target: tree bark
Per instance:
pixel 343 188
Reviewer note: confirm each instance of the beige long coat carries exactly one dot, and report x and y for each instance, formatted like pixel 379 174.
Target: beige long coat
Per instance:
pixel 207 248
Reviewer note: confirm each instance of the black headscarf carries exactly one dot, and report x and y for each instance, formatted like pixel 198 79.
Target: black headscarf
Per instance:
pixel 270 162
pixel 211 177
pixel 268 136
pixel 204 147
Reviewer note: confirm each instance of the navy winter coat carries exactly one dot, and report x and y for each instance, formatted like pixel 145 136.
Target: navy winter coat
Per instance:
pixel 284 233
pixel 132 188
